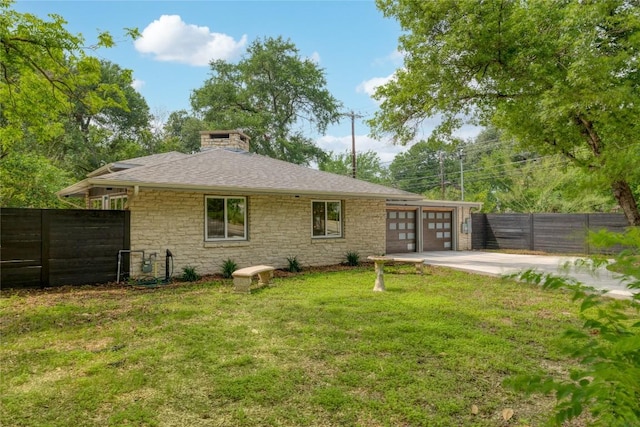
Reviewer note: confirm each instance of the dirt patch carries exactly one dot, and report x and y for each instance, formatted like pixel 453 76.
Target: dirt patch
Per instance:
pixel 114 289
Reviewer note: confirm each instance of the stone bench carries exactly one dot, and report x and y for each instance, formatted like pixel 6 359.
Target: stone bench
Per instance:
pixel 380 261
pixel 242 277
pixel 419 263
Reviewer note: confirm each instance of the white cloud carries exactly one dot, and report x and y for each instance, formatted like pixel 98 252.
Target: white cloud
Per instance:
pixel 341 144
pixel 170 39
pixel 369 86
pixel 315 57
pixel 396 58
pixel 137 84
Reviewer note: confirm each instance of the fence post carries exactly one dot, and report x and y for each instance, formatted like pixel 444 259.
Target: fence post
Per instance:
pixel 45 246
pixel 532 245
pixel 586 237
pixel 485 230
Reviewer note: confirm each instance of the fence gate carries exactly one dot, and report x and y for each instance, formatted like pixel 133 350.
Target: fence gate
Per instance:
pixel 48 247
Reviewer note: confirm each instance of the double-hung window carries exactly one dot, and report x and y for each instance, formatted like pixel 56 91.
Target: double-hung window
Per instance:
pixel 226 218
pixel 327 218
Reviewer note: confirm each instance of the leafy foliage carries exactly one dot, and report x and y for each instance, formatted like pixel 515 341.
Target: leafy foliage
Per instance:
pixel 189 274
pixel 294 264
pixel 268 93
pixel 352 258
pixel 45 74
pixel 424 167
pixel 228 267
pixel 61 109
pixel 607 346
pixel 368 166
pixel 562 77
pixel 29 180
pixel 508 178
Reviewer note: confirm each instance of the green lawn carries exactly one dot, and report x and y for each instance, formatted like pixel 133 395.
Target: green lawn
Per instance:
pixel 317 349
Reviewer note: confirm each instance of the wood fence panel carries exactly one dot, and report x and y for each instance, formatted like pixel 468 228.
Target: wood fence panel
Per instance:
pixel 509 231
pixel 560 233
pixel 478 229
pixel 62 247
pixel 20 247
pixel 563 233
pixel 616 223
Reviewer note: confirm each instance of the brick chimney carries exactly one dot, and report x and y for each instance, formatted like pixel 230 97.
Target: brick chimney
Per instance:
pixel 231 139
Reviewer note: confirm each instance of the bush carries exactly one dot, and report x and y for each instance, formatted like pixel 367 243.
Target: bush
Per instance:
pixel 607 346
pixel 228 267
pixel 189 274
pixel 294 265
pixel 353 258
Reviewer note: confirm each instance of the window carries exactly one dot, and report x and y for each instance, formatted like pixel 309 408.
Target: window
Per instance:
pixel 109 202
pixel 226 218
pixel 117 202
pixel 327 218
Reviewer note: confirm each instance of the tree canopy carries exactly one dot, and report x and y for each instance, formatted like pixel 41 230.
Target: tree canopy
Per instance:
pixel 269 94
pixel 561 77
pixel 42 68
pixel 63 112
pixel 368 166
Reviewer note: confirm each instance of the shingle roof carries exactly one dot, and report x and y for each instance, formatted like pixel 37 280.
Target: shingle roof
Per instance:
pixel 220 169
pixel 138 161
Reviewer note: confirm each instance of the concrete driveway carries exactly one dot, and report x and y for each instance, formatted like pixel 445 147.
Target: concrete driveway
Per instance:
pixel 498 264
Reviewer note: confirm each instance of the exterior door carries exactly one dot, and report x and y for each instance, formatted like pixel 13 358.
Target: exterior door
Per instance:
pixel 401 231
pixel 437 230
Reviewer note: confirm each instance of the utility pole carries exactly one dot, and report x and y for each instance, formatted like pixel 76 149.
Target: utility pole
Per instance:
pixel 461 156
pixel 441 173
pixel 353 140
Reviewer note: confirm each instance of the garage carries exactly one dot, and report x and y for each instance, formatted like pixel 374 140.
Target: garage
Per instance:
pixel 401 230
pixel 429 225
pixel 437 230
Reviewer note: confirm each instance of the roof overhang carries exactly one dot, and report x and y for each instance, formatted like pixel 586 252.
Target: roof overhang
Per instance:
pixel 79 190
pixel 436 203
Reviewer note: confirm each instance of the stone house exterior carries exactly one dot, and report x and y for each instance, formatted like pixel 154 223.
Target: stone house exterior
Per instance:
pixel 224 203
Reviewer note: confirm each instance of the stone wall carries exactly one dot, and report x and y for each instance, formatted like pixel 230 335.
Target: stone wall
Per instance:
pixel 278 227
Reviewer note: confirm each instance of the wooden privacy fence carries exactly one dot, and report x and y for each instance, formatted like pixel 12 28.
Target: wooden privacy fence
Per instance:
pixel 546 232
pixel 47 247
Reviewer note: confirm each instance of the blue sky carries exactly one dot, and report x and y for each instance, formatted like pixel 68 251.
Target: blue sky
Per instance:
pixel 350 40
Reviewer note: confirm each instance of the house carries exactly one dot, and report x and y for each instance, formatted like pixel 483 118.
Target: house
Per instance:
pixel 227 203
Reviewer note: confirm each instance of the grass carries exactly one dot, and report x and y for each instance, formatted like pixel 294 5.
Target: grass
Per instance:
pixel 317 349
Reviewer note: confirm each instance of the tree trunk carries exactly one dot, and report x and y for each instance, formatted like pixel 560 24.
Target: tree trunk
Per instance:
pixel 623 194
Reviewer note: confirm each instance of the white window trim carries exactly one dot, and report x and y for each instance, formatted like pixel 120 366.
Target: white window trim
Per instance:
pixel 327 236
pixel 106 199
pixel 226 231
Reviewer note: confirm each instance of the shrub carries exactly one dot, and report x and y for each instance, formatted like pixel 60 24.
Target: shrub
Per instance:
pixel 353 258
pixel 189 274
pixel 294 265
pixel 228 267
pixel 607 346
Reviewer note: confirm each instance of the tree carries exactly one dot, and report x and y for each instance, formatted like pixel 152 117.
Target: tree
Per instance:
pixel 42 66
pixel 607 346
pixel 182 132
pixel 269 93
pixel 507 178
pixel 113 130
pixel 368 166
pixel 29 180
pixel 561 77
pixel 428 167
